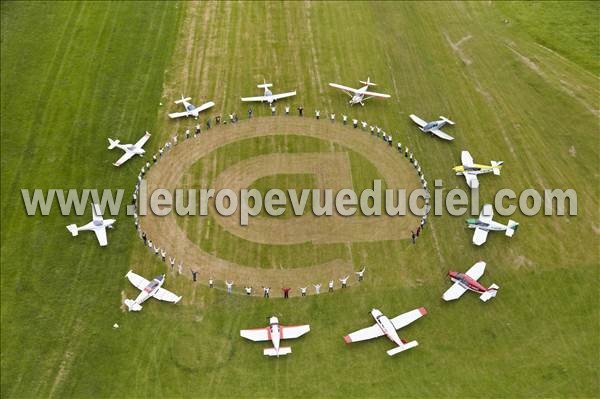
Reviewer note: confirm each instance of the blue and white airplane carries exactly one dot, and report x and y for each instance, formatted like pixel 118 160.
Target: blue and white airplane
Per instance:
pixel 190 109
pixel 433 127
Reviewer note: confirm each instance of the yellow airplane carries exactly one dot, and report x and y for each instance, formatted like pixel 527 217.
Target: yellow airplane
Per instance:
pixel 470 170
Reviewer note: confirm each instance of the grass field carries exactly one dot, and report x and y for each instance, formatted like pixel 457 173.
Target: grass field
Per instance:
pixel 75 73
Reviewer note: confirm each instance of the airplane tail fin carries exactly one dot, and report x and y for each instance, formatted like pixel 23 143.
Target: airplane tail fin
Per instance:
pixel 73 229
pixel 511 228
pixel 406 346
pixel 112 143
pixel 446 120
pixel 132 305
pixel 490 293
pixel 264 85
pixel 283 350
pixel 496 166
pixel 368 82
pixel 182 100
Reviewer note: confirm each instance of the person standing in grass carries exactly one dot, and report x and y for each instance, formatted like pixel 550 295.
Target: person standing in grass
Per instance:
pixel 303 291
pixel 229 285
pixel 211 282
pixel 172 262
pixel 286 292
pixel 344 281
pixel 361 273
pixel 330 285
pixel 317 288
pixel 194 275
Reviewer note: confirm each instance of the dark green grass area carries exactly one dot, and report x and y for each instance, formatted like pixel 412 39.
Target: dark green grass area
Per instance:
pixel 570 28
pixel 73 74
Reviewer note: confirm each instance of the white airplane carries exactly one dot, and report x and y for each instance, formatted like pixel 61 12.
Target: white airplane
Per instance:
pixel 464 282
pixel 433 127
pixel 190 109
pixel 357 96
pixel 97 225
pixel 484 224
pixel 149 289
pixel 268 95
pixel 275 332
pixel 130 149
pixel 385 326
pixel 470 170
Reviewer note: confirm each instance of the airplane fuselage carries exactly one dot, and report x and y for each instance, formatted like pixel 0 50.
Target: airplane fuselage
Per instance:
pixel 466 282
pixel 98 224
pixel 386 326
pixel 131 148
pixel 433 125
pixel 275 332
pixel 491 226
pixel 358 97
pixel 189 107
pixel 150 289
pixel 476 169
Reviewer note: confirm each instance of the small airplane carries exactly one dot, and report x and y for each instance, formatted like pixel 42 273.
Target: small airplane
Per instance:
pixel 468 282
pixel 268 95
pixel 130 149
pixel 357 96
pixel 470 170
pixel 149 289
pixel 433 127
pixel 190 109
pixel 385 326
pixel 484 224
pixel 98 225
pixel 275 332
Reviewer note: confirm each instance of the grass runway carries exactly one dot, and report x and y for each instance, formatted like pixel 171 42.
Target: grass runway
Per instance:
pixel 75 73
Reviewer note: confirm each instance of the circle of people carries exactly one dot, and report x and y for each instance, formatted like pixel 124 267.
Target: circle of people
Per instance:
pixel 374 130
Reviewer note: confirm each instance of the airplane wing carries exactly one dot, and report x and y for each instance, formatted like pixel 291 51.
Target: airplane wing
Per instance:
pixel 166 295
pixel 257 98
pixel 138 281
pixel 101 236
pixel 373 94
pixel 179 114
pixel 472 180
pixel 290 332
pixel 142 141
pixel 96 212
pixel 417 120
pixel 256 334
pixel 204 106
pixel 487 213
pixel 406 318
pixel 454 292
pixel 441 134
pixel 283 95
pixel 466 158
pixel 366 333
pixel 341 87
pixel 476 271
pixel 479 236
pixel 124 158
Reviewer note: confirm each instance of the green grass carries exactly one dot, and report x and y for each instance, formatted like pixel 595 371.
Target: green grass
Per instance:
pixel 76 73
pixel 569 28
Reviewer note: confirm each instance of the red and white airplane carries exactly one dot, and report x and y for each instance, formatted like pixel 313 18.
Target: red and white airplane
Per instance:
pixel 468 281
pixel 385 326
pixel 275 333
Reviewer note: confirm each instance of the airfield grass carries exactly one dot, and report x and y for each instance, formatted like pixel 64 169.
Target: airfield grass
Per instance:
pixel 76 73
